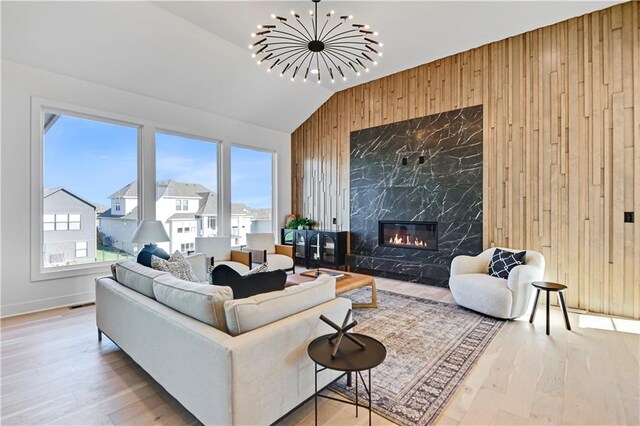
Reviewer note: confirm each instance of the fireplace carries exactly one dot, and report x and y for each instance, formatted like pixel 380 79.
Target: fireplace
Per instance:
pixel 408 234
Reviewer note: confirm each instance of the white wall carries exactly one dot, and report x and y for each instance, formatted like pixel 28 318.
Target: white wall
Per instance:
pixel 19 83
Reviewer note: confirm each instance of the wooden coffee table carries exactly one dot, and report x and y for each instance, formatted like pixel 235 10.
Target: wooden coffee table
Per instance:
pixel 350 281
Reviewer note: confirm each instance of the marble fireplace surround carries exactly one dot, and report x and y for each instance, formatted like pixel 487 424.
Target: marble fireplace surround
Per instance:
pixel 425 169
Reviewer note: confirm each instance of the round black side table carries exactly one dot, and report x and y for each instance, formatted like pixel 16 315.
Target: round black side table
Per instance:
pixel 549 287
pixel 350 359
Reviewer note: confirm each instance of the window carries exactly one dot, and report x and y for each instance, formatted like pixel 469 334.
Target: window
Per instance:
pixel 90 167
pixel 81 249
pixel 187 173
pixel 187 247
pixel 251 192
pixel 212 222
pixel 61 222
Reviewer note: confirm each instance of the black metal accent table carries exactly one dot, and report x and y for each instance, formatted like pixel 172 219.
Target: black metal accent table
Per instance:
pixel 350 359
pixel 549 287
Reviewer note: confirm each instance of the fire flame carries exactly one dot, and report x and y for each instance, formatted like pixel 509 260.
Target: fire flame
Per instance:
pixel 407 241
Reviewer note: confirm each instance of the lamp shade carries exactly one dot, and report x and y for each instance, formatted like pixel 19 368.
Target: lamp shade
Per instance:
pixel 150 231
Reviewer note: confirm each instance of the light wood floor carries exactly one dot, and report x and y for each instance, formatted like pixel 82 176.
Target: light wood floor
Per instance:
pixel 54 371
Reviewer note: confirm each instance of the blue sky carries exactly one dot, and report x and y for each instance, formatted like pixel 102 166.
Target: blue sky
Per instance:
pixel 95 159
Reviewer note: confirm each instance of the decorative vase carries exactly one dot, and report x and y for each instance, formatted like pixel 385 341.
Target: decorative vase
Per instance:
pixel 300 227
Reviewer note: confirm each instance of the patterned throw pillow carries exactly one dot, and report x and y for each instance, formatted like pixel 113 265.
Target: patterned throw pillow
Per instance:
pixel 260 268
pixel 502 262
pixel 177 265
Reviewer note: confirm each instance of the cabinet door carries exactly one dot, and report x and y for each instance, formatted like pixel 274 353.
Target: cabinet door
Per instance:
pixel 328 249
pixel 287 237
pixel 314 247
pixel 300 244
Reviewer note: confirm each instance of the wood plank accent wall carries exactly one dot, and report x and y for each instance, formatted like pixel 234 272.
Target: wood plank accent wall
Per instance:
pixel 561 147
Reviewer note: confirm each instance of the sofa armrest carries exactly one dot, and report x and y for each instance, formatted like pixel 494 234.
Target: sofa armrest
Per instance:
pixel 519 282
pixel 243 257
pixel 257 256
pixel 266 387
pixel 285 250
pixel 469 265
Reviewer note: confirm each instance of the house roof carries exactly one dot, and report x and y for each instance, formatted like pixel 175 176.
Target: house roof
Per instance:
pixel 51 191
pixel 182 216
pixel 208 204
pixel 164 188
pixel 132 215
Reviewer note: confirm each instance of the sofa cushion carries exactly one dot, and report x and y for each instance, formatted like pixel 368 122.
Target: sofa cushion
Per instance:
pixel 503 261
pixel 279 261
pixel 135 276
pixel 177 265
pixel 244 315
pixel 203 302
pixel 198 262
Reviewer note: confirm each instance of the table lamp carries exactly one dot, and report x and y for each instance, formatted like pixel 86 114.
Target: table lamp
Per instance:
pixel 149 233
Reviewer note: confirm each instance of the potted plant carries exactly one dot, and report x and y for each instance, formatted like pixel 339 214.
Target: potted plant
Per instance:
pixel 300 223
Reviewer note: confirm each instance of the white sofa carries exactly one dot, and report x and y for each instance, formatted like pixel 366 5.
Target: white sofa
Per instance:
pixel 251 370
pixel 510 298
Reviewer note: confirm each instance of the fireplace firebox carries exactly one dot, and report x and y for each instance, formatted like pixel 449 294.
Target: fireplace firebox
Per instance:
pixel 408 234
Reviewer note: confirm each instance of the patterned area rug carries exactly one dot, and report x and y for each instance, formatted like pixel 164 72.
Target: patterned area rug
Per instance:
pixel 431 346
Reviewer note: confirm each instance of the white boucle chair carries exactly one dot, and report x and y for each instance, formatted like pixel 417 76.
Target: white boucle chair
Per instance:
pixel 264 249
pixel 510 298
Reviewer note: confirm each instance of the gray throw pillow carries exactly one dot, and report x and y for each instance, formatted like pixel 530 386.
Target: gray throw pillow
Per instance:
pixel 177 265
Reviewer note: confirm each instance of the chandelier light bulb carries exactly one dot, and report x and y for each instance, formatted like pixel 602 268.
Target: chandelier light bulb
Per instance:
pixel 315 46
pixel 304 80
pixel 381 44
pixel 375 62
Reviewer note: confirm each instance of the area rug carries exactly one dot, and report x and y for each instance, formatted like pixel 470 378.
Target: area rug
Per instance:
pixel 431 346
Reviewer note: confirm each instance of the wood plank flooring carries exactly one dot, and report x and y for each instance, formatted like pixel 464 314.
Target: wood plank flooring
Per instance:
pixel 54 371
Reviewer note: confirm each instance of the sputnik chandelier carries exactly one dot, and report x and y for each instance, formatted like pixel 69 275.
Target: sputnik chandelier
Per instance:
pixel 327 51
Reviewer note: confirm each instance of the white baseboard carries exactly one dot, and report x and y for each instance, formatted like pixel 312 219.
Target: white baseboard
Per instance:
pixel 32 306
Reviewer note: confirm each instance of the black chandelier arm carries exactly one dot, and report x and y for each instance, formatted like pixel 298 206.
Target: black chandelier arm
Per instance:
pixel 328 52
pixel 287 43
pixel 330 59
pixel 300 55
pixel 323 27
pixel 344 37
pixel 345 56
pixel 357 49
pixel 346 43
pixel 327 39
pixel 285 52
pixel 304 28
pixel 288 36
pixel 331 30
pixel 293 53
pixel 303 36
pixel 318 62
pixel 315 18
pixel 322 55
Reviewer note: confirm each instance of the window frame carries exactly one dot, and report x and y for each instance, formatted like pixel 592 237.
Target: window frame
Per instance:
pixel 274 183
pixel 39 107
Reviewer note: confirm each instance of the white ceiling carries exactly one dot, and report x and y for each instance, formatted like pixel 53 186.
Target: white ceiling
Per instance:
pixel 195 53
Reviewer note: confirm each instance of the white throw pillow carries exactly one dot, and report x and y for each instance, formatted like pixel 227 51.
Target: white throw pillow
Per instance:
pixel 177 265
pixel 260 268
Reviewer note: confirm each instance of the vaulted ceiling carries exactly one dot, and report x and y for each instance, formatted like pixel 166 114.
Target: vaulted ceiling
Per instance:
pixel 195 53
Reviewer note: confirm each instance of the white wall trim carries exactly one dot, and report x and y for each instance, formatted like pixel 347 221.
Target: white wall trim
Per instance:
pixel 46 304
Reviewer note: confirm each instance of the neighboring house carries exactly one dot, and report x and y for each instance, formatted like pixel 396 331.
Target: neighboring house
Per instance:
pixel 69 224
pixel 187 210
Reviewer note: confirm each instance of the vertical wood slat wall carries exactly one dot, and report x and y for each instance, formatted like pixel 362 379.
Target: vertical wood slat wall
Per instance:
pixel 561 147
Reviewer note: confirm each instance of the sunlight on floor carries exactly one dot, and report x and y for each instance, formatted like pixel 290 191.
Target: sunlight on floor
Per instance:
pixel 608 323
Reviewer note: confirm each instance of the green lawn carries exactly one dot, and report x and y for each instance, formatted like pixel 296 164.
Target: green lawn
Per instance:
pixel 104 253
